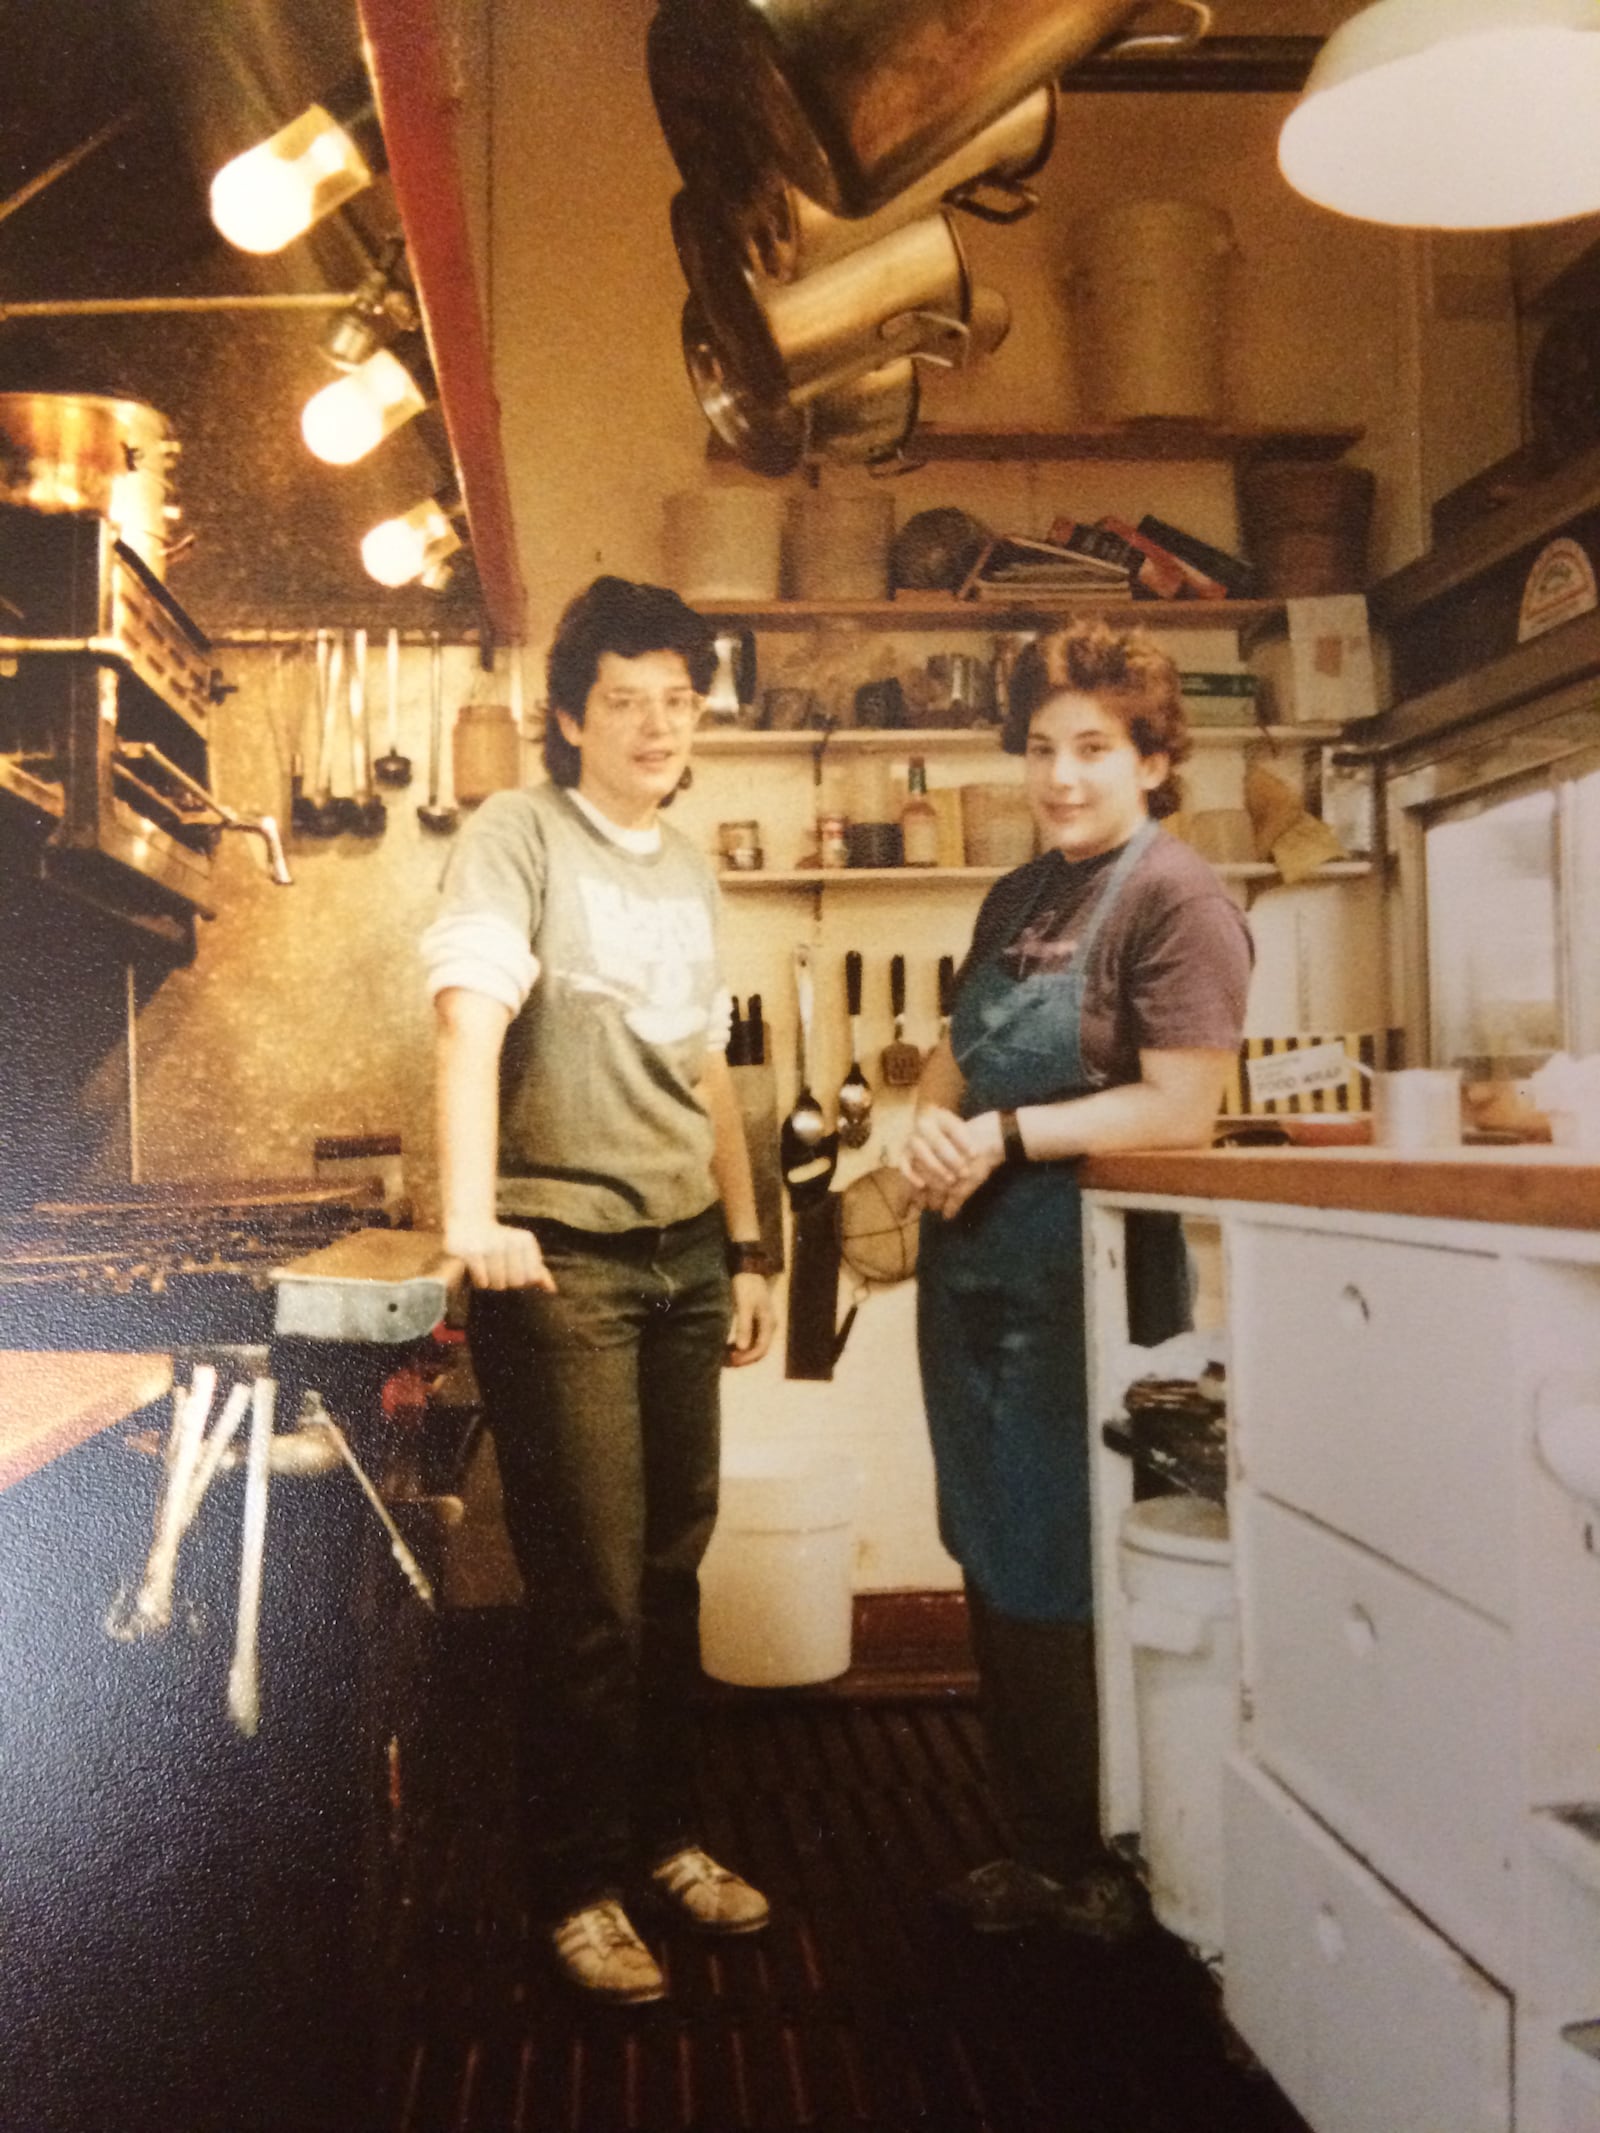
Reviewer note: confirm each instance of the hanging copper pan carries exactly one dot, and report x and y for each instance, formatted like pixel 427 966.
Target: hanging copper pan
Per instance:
pixel 855 102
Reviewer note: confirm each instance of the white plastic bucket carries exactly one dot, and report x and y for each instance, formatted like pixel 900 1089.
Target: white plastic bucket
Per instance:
pixel 776 1583
pixel 1177 1571
pixel 724 544
pixel 1151 283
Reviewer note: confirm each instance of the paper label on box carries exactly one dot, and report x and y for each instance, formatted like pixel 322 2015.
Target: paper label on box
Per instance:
pixel 1331 655
pixel 1296 1073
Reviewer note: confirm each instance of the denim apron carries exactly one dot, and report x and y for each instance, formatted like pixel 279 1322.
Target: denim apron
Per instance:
pixel 1000 1312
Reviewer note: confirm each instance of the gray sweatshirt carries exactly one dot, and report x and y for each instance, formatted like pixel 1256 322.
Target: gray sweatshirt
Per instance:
pixel 600 1127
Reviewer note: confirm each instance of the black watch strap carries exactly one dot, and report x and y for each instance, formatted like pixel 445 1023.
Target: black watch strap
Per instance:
pixel 1011 1138
pixel 748 1258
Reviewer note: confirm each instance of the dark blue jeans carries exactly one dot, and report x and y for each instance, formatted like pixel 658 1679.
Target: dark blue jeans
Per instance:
pixel 604 1403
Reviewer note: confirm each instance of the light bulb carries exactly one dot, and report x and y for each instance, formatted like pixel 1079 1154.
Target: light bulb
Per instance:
pixel 274 192
pixel 414 546
pixel 345 420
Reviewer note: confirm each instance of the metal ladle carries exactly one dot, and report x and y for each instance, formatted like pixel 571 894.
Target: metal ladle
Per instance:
pixel 855 1091
pixel 804 1143
pixel 432 814
pixel 392 768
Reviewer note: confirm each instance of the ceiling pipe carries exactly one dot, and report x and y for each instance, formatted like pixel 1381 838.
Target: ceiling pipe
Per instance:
pixel 408 61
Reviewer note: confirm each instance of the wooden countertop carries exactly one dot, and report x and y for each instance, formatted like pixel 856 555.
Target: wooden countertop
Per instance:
pixel 1536 1185
pixel 51 1402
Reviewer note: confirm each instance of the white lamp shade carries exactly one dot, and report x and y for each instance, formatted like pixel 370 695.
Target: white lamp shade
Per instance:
pixel 350 417
pixel 1453 115
pixel 273 193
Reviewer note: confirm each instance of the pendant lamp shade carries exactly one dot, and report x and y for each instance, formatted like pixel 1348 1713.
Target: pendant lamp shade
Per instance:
pixel 1453 115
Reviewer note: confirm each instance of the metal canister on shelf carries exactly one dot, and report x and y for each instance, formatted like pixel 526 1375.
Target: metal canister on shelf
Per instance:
pixel 833 841
pixel 740 844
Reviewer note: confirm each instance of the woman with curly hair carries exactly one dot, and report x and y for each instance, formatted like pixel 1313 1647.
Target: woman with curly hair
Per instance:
pixel 1098 1008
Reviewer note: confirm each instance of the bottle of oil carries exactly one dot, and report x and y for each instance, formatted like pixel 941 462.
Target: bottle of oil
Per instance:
pixel 919 821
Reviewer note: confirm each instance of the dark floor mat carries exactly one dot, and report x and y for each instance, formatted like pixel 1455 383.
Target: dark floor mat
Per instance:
pixel 858 2008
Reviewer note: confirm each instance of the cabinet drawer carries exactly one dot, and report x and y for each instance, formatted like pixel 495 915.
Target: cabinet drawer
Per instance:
pixel 1372 1390
pixel 1390 1711
pixel 1368 2021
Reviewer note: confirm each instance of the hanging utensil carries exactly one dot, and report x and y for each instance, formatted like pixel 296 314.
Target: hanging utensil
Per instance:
pixel 902 1062
pixel 433 814
pixel 855 1092
pixel 392 768
pixel 328 813
pixel 806 1150
pixel 368 813
pixel 947 994
pixel 244 1682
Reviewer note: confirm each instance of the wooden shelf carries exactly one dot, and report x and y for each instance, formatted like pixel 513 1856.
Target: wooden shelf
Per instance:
pixel 966 877
pixel 964 740
pixel 1152 439
pixel 938 611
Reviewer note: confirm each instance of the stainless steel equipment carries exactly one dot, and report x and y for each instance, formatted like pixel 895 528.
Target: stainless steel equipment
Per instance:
pixel 106 694
pixel 87 452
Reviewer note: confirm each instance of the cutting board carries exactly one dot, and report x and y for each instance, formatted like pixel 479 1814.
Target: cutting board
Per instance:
pixel 51 1402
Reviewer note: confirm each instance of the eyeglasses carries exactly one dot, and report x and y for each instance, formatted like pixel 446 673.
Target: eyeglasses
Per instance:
pixel 680 707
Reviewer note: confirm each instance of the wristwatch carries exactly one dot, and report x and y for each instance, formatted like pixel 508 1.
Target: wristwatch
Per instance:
pixel 1011 1138
pixel 746 1256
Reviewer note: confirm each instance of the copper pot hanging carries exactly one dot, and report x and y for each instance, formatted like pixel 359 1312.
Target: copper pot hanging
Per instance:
pixel 854 102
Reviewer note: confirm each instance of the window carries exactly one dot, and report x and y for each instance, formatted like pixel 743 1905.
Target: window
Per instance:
pixel 1513 891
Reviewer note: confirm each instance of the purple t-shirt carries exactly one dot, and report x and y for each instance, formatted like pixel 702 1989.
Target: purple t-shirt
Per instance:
pixel 1169 970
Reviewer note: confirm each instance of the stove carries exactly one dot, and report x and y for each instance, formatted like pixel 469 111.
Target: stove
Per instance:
pixel 178 1266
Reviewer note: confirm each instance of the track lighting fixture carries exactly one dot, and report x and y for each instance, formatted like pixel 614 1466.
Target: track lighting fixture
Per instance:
pixel 351 417
pixel 274 192
pixel 379 311
pixel 418 546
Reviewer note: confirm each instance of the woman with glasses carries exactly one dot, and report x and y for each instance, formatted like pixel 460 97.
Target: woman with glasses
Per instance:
pixel 594 1178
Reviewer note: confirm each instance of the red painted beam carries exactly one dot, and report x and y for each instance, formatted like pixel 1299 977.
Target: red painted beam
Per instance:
pixel 408 58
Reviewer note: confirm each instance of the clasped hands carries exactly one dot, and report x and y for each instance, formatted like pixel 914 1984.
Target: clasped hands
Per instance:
pixel 947 1157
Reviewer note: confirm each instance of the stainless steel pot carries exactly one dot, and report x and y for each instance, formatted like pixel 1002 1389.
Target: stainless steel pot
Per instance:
pixel 782 235
pixel 908 292
pixel 761 428
pixel 855 103
pixel 88 452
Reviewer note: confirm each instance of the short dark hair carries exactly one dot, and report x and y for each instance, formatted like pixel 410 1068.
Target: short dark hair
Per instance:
pixel 615 615
pixel 1127 671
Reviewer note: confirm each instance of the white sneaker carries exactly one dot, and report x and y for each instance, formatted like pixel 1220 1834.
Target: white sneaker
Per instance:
pixel 708 1895
pixel 600 1953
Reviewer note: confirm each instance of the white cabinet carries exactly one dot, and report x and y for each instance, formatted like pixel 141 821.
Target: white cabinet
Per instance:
pixel 1412 1819
pixel 1369 2021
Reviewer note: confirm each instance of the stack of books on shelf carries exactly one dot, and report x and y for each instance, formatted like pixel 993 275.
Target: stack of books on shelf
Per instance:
pixel 1010 566
pixel 1160 561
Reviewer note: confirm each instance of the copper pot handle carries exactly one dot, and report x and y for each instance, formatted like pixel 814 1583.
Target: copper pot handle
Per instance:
pixel 1167 40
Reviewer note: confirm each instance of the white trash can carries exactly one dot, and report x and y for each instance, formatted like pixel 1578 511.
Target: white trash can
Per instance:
pixel 1177 1572
pixel 776 1587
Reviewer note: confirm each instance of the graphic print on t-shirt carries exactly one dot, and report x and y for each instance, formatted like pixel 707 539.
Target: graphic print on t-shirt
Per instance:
pixel 652 954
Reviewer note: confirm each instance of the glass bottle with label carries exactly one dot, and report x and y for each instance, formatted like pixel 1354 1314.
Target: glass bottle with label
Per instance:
pixel 919 820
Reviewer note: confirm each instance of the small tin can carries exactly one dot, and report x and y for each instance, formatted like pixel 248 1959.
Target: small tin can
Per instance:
pixel 833 841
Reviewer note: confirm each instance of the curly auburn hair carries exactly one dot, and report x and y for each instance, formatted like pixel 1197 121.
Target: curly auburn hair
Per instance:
pixel 615 615
pixel 1124 670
